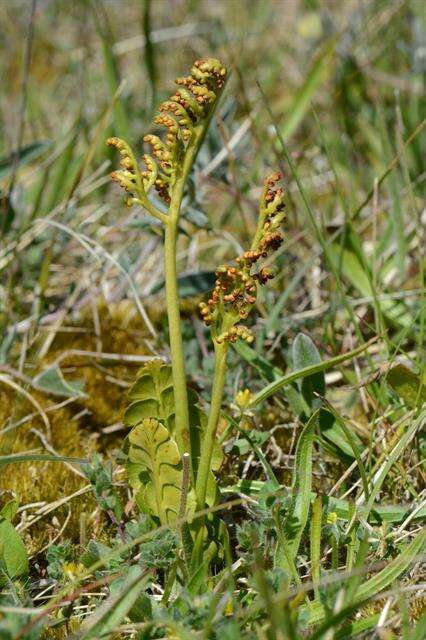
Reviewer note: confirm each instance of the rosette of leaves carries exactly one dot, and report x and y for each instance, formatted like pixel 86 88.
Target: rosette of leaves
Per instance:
pixel 154 461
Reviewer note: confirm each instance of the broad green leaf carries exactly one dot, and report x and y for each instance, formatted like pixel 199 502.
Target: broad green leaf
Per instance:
pixel 274 386
pixel 305 354
pixel 52 381
pixel 152 395
pixel 114 609
pixel 407 385
pixel 138 411
pixel 337 441
pixel 13 554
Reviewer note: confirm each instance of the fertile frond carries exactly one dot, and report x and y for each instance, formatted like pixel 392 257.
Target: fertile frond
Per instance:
pixel 184 115
pixel 236 287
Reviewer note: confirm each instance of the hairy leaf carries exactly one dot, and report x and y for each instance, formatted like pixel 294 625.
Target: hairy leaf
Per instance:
pixel 298 512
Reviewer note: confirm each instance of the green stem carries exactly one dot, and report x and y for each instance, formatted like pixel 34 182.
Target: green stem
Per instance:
pixel 172 303
pixel 210 433
pixel 175 337
pixel 172 294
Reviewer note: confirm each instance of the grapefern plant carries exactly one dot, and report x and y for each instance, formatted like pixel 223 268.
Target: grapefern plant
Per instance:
pixel 172 446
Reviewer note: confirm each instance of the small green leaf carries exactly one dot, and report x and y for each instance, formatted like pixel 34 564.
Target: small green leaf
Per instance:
pixel 13 554
pixel 8 511
pixel 407 385
pixel 52 381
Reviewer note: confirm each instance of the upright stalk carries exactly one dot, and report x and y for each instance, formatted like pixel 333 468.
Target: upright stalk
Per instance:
pixel 221 350
pixel 175 337
pixel 172 301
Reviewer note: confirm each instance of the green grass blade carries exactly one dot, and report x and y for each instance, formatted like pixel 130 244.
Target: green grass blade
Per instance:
pixel 350 631
pixel 372 587
pixel 111 612
pixel 354 447
pixel 392 457
pixel 149 53
pixel 38 457
pixel 121 121
pixel 317 74
pixel 316 544
pixel 395 568
pixel 419 631
pixel 26 155
pixel 333 621
pixel 298 512
pixel 274 386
